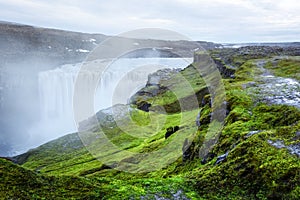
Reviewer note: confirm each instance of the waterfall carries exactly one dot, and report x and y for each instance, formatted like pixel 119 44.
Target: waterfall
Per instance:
pixel 56 93
pixel 56 89
pixel 118 82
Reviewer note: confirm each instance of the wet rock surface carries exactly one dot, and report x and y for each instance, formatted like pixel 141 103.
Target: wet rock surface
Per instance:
pixel 251 133
pixel 276 90
pixel 178 195
pixel 221 158
pixel 293 148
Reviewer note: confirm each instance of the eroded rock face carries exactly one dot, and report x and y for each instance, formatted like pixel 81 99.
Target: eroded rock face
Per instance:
pixel 207 158
pixel 188 150
pixel 226 71
pixel 153 88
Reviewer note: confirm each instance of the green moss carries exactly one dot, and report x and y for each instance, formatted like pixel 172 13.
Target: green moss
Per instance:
pixel 254 169
pixel 19 183
pixel 247 72
pixel 289 68
pixel 268 117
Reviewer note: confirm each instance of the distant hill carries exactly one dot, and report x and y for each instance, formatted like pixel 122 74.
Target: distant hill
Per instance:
pixel 22 41
pixel 59 47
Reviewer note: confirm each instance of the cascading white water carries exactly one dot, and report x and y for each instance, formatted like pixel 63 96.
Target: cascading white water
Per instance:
pixel 56 93
pixel 56 89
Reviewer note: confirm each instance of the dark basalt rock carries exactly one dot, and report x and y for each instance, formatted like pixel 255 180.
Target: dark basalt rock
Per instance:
pixel 206 100
pixel 225 70
pixel 221 158
pixel 170 131
pixel 198 119
pixel 204 120
pixel 144 106
pixel 187 150
pixel 207 158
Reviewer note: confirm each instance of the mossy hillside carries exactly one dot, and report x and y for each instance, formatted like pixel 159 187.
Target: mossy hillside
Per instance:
pixel 254 169
pixel 59 156
pixel 115 184
pixel 19 183
pixel 76 159
pixel 246 114
pixel 249 156
pixel 286 67
pixel 124 186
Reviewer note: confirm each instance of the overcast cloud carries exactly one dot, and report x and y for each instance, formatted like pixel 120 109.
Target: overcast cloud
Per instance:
pixel 210 20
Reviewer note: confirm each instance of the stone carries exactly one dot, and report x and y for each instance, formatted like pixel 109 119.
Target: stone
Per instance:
pixel 208 157
pixel 251 133
pixel 221 158
pixel 187 150
pixel 170 131
pixel 144 106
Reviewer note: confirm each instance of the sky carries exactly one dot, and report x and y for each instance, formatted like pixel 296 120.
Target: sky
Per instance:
pixel 230 21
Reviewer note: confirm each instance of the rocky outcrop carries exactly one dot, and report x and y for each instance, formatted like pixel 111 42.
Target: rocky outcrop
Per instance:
pixel 188 152
pixel 208 157
pixel 161 75
pixel 152 88
pixel 226 71
pixel 235 57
